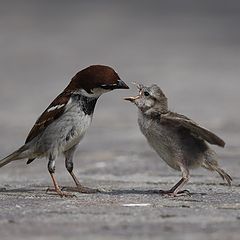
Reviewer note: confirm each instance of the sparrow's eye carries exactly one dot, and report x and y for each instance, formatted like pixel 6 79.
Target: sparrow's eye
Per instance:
pixel 146 93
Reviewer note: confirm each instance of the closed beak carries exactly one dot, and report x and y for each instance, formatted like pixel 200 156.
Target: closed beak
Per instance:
pixel 121 85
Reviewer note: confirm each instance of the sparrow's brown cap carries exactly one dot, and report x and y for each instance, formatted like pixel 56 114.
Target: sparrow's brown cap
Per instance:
pixel 96 76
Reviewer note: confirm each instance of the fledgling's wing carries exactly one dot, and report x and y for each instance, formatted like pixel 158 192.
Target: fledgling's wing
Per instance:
pixel 53 112
pixel 193 127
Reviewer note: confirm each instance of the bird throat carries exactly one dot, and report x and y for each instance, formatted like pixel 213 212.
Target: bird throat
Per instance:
pixel 87 104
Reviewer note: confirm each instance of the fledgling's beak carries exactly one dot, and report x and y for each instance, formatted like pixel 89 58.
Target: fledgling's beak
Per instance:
pixel 121 85
pixel 131 99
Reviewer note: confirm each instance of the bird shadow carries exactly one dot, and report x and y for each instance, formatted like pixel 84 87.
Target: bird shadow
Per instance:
pixel 129 191
pixel 115 192
pixel 18 190
pixel 141 192
pixel 104 192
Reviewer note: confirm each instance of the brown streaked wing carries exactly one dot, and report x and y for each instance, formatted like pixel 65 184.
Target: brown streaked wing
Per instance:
pixel 48 117
pixel 181 120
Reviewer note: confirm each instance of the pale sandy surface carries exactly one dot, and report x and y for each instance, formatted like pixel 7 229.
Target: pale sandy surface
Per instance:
pixel 191 50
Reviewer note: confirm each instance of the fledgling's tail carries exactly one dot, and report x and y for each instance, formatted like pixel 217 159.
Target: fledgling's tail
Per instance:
pixel 19 154
pixel 211 164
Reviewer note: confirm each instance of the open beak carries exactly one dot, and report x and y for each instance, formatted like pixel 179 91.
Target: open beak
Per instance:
pixel 131 99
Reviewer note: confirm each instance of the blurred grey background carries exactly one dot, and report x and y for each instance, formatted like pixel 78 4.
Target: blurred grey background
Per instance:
pixel 190 48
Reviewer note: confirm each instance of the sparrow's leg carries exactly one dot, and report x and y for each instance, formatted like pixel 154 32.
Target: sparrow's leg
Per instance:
pixel 175 190
pixel 51 169
pixel 69 165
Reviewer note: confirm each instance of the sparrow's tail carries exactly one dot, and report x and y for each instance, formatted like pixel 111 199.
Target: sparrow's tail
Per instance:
pixel 19 154
pixel 211 164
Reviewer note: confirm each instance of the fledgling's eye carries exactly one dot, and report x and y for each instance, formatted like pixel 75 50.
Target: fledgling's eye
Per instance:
pixel 146 93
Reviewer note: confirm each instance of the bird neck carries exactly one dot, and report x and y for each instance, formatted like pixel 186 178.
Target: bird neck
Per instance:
pixel 160 107
pixel 87 104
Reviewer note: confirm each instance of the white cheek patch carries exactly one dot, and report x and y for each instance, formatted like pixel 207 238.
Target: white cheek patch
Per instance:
pixel 107 85
pixel 96 92
pixel 55 107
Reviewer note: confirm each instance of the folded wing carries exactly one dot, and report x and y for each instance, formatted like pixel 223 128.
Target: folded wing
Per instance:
pixel 53 111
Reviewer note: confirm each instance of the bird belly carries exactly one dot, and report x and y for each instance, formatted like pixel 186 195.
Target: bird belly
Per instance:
pixel 173 145
pixel 170 148
pixel 73 136
pixel 164 148
pixel 161 140
pixel 64 133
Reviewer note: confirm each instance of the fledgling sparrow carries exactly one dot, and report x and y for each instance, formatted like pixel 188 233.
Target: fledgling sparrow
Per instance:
pixel 178 140
pixel 63 124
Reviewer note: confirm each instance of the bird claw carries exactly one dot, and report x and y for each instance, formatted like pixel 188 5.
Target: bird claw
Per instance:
pixel 174 194
pixel 182 193
pixel 59 192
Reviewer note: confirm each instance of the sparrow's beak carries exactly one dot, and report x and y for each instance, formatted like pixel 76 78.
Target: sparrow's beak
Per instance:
pixel 121 85
pixel 131 99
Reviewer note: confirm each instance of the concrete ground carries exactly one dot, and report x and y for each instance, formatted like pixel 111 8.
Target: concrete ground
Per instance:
pixel 127 209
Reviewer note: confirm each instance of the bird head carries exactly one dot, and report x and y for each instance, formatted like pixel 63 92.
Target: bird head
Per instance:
pixel 95 80
pixel 150 100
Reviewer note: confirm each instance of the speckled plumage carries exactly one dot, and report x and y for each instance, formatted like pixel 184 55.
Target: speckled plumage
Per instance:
pixel 178 140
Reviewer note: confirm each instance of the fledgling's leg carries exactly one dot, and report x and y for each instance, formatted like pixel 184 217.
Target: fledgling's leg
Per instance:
pixel 69 165
pixel 175 190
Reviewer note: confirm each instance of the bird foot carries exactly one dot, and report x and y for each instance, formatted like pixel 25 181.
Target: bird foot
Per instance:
pixel 174 194
pixel 59 192
pixel 81 189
